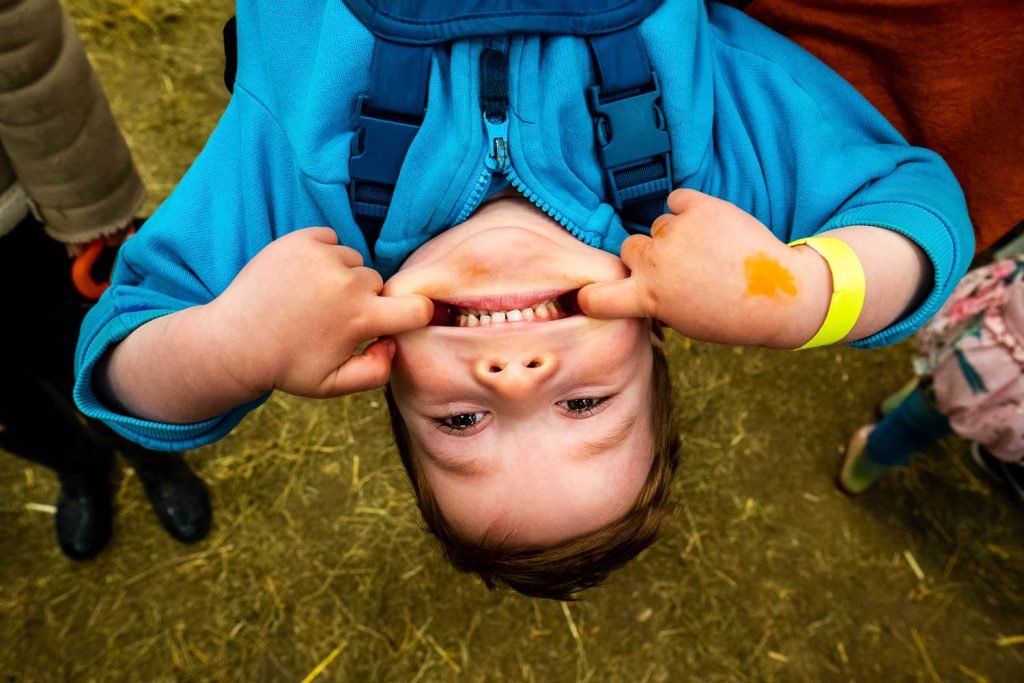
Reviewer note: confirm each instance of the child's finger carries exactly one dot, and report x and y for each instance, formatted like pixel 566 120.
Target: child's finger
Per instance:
pixel 369 370
pixel 615 299
pixel 633 250
pixel 681 200
pixel 350 257
pixel 660 224
pixel 320 234
pixel 369 277
pixel 397 314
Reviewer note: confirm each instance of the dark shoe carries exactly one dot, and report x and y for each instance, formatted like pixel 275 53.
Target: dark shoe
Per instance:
pixel 1010 474
pixel 84 514
pixel 179 497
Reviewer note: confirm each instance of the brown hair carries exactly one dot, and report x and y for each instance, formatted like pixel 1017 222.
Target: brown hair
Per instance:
pixel 561 570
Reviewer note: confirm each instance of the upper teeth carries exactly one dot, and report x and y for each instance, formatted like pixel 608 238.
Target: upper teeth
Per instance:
pixel 474 317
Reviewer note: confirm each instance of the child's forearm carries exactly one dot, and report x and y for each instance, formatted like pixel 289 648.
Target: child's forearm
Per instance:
pixel 292 319
pixel 898 275
pixel 175 369
pixel 713 272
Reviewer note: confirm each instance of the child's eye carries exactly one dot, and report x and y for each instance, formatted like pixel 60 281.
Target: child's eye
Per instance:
pixel 583 407
pixel 463 422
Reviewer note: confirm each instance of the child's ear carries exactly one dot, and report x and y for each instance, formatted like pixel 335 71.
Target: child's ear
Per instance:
pixel 657 333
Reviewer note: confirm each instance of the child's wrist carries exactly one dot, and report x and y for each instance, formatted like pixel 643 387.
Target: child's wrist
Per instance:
pixel 835 297
pixel 231 362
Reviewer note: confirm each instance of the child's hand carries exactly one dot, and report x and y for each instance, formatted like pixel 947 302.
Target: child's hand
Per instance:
pixel 295 315
pixel 713 272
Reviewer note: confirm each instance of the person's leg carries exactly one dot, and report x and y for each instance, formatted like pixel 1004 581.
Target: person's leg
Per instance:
pixel 910 427
pixel 35 263
pixel 57 127
pixel 38 419
pixel 13 202
pixel 37 424
pixel 890 402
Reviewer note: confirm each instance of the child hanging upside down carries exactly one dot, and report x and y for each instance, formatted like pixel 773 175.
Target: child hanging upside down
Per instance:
pixel 529 394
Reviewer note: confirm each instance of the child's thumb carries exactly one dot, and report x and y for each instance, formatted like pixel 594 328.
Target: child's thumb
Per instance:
pixel 615 299
pixel 369 370
pixel 397 314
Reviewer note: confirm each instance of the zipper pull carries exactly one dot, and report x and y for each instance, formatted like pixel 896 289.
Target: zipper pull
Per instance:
pixel 497 135
pixel 494 102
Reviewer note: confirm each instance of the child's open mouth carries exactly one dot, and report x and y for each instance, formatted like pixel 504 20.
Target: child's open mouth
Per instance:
pixel 488 311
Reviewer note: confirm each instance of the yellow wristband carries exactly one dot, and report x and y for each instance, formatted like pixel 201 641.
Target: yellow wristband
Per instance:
pixel 848 287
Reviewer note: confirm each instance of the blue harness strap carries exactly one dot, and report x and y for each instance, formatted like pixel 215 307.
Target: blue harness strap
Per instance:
pixel 622 64
pixel 399 78
pixel 633 144
pixel 388 119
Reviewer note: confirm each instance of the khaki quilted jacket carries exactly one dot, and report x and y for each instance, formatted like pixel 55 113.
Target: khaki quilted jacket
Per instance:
pixel 61 151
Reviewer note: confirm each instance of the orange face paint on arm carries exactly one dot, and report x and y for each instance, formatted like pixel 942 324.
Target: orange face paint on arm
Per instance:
pixel 767 277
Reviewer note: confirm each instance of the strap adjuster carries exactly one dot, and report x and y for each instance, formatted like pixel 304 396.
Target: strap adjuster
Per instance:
pixel 379 147
pixel 633 144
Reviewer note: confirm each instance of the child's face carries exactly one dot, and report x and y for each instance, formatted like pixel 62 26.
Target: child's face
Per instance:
pixel 528 432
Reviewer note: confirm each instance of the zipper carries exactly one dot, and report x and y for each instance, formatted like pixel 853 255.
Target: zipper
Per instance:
pixel 474 192
pixel 496 158
pixel 497 144
pixel 493 84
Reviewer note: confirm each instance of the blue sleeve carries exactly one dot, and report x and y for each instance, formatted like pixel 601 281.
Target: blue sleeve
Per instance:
pixel 219 216
pixel 810 154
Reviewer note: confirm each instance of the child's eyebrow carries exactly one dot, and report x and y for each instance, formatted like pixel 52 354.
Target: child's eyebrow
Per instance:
pixel 597 447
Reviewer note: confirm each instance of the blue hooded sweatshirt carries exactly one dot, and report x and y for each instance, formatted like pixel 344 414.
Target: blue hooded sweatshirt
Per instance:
pixel 753 119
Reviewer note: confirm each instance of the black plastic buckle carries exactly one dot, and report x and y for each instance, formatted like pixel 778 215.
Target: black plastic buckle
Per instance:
pixel 379 147
pixel 632 135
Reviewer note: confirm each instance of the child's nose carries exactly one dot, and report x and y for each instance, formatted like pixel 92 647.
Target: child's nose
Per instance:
pixel 515 377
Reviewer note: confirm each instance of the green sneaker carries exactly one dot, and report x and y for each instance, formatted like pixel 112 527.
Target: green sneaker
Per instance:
pixel 859 471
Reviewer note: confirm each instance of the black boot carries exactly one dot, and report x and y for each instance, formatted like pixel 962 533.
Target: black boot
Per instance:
pixel 179 497
pixel 84 512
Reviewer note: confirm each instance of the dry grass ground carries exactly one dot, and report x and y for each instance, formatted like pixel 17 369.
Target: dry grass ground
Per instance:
pixel 317 568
